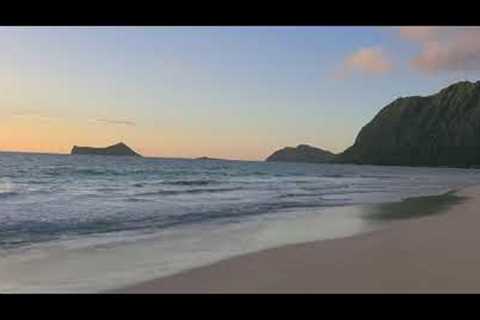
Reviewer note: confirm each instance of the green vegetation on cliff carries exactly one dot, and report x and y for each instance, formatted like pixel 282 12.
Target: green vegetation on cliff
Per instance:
pixel 438 130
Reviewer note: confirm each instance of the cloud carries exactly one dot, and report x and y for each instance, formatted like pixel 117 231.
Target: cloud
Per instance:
pixel 39 116
pixel 370 60
pixel 445 49
pixel 116 122
pixel 34 115
pixel 418 33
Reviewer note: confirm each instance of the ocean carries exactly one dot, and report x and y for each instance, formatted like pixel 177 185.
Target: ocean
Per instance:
pixel 92 223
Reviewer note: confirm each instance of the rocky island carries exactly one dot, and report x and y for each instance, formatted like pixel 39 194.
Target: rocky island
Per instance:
pixel 302 153
pixel 119 149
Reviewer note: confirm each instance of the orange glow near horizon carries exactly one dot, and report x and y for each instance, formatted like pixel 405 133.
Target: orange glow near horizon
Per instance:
pixel 25 134
pixel 43 135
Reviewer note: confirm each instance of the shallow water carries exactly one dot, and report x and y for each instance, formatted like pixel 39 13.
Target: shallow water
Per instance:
pixel 88 223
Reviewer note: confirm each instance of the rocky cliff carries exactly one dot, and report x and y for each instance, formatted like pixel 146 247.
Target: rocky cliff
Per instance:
pixel 438 130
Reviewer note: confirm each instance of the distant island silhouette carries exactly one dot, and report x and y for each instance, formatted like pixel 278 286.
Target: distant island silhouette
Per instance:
pixel 302 153
pixel 119 149
pixel 208 158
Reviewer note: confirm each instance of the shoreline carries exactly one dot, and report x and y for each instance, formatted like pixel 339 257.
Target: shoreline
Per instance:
pixel 430 253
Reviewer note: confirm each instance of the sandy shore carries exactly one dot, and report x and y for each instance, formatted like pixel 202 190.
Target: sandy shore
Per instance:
pixel 434 254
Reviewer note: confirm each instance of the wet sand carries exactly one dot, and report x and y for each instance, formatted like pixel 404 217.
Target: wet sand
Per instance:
pixel 431 254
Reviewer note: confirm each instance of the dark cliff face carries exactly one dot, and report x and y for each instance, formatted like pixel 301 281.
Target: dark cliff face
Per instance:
pixel 119 149
pixel 438 130
pixel 302 153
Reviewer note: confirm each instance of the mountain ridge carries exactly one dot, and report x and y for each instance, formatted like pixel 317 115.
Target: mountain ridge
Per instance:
pixel 441 129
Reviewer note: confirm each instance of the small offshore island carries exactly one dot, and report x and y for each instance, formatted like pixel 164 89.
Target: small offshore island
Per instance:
pixel 119 149
pixel 302 153
pixel 208 158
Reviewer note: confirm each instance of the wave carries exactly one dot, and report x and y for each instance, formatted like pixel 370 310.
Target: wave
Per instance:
pixel 8 194
pixel 333 175
pixel 296 195
pixel 326 191
pixel 62 171
pixel 381 176
pixel 23 233
pixel 191 182
pixel 229 214
pixel 188 191
pixel 98 172
pixel 107 189
pixel 40 182
pixel 79 172
pixel 96 196
pixel 133 199
pixel 326 187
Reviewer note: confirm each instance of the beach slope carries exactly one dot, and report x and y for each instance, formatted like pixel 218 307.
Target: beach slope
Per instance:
pixel 433 254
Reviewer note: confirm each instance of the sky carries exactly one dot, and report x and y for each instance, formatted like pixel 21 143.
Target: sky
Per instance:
pixel 225 92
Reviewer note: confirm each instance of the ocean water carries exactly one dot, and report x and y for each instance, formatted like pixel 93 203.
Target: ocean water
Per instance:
pixel 92 223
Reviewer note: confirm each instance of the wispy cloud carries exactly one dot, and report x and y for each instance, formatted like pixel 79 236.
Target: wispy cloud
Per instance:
pixel 445 48
pixel 419 33
pixel 369 60
pixel 115 122
pixel 29 114
pixel 40 116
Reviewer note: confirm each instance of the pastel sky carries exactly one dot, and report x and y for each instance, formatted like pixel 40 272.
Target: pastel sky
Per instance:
pixel 236 92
